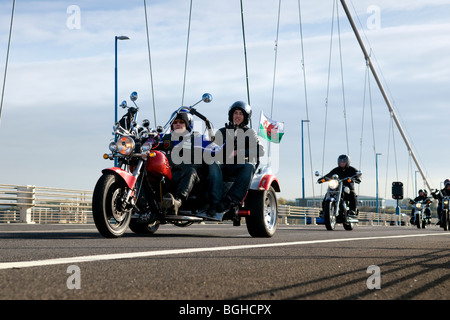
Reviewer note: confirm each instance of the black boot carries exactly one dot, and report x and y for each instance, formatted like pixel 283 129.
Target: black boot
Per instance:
pixel 171 204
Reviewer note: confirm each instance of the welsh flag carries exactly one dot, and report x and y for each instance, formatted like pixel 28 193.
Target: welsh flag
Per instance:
pixel 270 130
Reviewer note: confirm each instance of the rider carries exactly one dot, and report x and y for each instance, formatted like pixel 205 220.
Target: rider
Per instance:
pixel 344 170
pixel 184 175
pixel 421 197
pixel 240 153
pixel 438 195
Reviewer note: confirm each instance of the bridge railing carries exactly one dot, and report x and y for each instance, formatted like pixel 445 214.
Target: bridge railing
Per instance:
pixel 306 215
pixel 31 204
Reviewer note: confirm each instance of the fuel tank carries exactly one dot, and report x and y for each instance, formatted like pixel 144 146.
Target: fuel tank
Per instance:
pixel 158 166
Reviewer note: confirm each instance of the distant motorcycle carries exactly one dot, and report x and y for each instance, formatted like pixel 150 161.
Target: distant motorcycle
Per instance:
pixel 130 194
pixel 335 207
pixel 445 215
pixel 421 215
pixel 445 208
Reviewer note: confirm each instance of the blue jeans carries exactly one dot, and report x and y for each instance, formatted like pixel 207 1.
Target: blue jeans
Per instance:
pixel 242 174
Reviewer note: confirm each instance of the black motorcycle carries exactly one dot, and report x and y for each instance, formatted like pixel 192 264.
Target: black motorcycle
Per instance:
pixel 335 206
pixel 421 212
pixel 445 214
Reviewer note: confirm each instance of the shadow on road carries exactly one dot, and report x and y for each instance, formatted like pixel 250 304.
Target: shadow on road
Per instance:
pixel 401 279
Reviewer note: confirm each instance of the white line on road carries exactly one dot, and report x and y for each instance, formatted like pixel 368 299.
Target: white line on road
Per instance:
pixel 132 255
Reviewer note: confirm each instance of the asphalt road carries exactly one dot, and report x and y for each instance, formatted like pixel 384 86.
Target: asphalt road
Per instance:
pixel 222 262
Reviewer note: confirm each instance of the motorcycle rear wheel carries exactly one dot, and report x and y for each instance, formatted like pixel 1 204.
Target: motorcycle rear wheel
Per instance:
pixel 263 218
pixel 110 219
pixel 328 213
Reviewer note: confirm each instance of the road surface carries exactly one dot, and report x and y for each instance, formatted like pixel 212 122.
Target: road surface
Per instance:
pixel 222 262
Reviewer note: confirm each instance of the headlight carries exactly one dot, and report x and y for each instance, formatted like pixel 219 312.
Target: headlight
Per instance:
pixel 125 145
pixel 446 202
pixel 418 205
pixel 113 146
pixel 333 184
pixel 147 146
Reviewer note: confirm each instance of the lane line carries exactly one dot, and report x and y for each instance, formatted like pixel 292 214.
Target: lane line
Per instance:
pixel 143 254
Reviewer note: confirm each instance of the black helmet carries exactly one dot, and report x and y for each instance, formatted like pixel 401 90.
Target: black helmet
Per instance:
pixel 186 117
pixel 344 158
pixel 446 182
pixel 246 110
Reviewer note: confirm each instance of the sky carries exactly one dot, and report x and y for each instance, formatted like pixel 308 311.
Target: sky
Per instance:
pixel 58 109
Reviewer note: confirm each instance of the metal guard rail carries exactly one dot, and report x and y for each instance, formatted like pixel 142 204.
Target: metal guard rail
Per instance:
pixel 31 204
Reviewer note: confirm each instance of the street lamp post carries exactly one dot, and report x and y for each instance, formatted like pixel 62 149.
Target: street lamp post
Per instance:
pixel 115 80
pixel 303 164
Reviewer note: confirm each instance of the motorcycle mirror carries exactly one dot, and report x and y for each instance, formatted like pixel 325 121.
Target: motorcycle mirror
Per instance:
pixel 123 104
pixel 207 97
pixel 316 173
pixel 358 173
pixel 133 96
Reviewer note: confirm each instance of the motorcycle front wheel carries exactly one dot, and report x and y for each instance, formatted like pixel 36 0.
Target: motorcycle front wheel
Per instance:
pixel 419 221
pixel 445 220
pixel 110 216
pixel 329 210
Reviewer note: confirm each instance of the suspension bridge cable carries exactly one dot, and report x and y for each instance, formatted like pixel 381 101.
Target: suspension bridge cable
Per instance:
pixel 150 62
pixel 342 77
pixel 187 52
pixel 7 58
pixel 395 148
pixel 387 159
pixel 275 59
pixel 245 56
pixel 305 90
pixel 362 122
pixel 328 91
pixel 383 92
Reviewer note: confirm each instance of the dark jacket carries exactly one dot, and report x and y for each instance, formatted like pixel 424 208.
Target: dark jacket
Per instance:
pixel 438 195
pixel 344 173
pixel 169 142
pixel 420 198
pixel 242 139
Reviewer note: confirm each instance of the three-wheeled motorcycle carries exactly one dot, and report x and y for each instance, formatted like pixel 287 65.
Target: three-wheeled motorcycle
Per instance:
pixel 129 195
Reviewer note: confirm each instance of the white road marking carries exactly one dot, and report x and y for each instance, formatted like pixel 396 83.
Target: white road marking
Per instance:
pixel 132 255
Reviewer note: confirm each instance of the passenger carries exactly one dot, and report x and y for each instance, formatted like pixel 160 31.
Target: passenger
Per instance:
pixel 237 160
pixel 184 174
